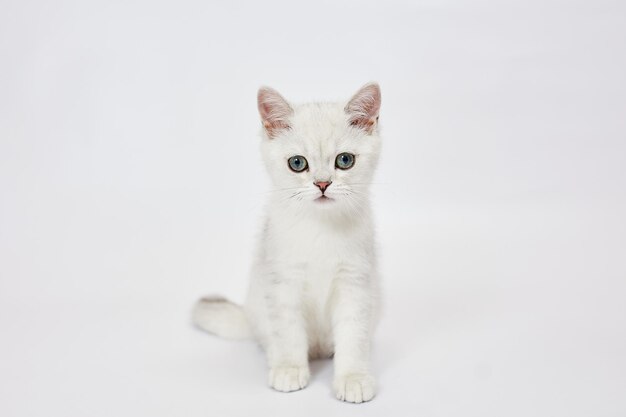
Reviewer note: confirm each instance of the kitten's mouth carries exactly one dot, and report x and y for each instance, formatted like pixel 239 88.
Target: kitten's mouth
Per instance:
pixel 323 199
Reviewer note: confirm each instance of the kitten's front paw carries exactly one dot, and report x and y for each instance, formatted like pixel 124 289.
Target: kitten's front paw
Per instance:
pixel 289 378
pixel 354 388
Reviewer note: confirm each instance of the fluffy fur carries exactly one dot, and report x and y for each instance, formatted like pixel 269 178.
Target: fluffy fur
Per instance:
pixel 314 286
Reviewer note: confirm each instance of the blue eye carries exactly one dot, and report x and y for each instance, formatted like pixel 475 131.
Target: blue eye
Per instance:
pixel 297 163
pixel 344 160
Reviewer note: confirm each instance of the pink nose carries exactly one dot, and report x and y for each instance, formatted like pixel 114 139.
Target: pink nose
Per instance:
pixel 323 185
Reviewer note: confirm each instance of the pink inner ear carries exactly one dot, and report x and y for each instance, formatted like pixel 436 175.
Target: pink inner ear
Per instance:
pixel 363 107
pixel 274 111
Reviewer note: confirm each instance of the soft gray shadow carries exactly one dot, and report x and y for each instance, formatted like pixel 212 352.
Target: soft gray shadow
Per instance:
pixel 321 369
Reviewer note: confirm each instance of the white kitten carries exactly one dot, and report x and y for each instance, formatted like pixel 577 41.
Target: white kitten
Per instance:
pixel 313 290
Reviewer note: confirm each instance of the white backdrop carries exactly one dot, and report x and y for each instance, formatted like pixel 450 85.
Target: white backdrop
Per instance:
pixel 131 184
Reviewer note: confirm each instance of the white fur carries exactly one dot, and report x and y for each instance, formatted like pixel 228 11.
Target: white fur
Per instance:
pixel 314 288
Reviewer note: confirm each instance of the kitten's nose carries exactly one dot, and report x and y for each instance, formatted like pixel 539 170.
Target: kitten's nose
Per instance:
pixel 322 185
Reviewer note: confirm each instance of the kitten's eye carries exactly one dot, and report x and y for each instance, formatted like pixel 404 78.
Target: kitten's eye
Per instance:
pixel 344 160
pixel 297 163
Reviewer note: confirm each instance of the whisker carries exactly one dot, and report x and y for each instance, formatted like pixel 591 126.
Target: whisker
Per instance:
pixel 277 190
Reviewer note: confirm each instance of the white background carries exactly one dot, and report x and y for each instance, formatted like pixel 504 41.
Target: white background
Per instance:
pixel 131 184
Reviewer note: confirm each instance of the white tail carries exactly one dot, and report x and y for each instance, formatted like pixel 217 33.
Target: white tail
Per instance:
pixel 222 318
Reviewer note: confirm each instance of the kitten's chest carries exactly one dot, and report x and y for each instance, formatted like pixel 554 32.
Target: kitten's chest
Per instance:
pixel 316 254
pixel 313 247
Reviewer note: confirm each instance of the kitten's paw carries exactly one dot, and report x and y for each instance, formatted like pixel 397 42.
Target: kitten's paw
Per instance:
pixel 289 378
pixel 354 388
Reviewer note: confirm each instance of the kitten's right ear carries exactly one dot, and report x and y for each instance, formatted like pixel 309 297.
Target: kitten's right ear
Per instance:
pixel 274 111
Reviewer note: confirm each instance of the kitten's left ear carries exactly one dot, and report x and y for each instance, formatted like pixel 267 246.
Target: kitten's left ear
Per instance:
pixel 363 107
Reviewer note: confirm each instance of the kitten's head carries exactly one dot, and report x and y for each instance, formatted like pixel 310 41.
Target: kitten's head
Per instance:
pixel 321 155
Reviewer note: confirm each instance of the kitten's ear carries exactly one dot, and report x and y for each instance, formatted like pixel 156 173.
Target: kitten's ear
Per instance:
pixel 274 111
pixel 363 107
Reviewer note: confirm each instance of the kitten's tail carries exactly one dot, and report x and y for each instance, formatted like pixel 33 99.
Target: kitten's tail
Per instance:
pixel 222 318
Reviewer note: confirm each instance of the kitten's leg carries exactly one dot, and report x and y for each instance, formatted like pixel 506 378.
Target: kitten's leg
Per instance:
pixel 287 345
pixel 352 312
